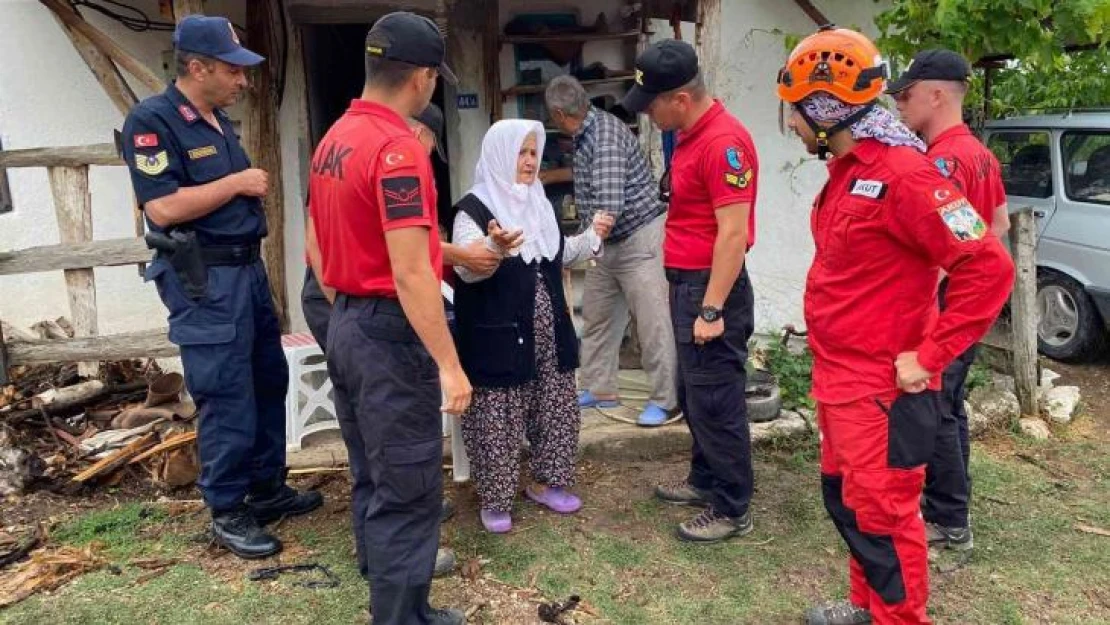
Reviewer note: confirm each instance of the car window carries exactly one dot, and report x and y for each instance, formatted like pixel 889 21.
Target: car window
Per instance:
pixel 1026 162
pixel 1087 166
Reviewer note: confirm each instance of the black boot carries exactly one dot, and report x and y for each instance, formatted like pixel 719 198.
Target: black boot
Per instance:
pixel 269 501
pixel 239 532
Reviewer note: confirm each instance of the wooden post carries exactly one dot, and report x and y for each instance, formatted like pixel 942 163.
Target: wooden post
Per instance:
pixel 181 8
pixel 73 207
pixel 263 144
pixel 1023 307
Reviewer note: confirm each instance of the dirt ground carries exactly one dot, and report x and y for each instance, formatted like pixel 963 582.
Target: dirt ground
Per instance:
pixel 619 553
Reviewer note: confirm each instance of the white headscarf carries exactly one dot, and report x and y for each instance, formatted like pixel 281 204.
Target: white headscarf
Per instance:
pixel 515 205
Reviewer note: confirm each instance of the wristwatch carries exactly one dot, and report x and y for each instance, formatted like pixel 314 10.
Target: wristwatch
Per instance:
pixel 709 314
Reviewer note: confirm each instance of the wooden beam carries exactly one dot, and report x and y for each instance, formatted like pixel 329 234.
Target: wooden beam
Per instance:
pixel 3 359
pixel 102 67
pixel 110 253
pixel 263 143
pixel 813 12
pixel 1023 310
pixel 107 46
pixel 181 8
pixel 72 156
pixel 146 344
pixel 73 208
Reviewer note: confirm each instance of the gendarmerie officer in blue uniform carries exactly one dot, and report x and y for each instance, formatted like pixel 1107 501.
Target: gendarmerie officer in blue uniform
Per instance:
pixel 203 207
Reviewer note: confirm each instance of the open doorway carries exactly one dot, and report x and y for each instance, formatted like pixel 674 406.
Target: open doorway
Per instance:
pixel 333 60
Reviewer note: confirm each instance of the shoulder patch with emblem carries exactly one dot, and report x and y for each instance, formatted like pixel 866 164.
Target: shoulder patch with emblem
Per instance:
pixel 946 166
pixel 403 198
pixel 962 220
pixel 873 189
pixel 199 153
pixel 152 164
pixel 732 156
pixel 187 113
pixel 740 181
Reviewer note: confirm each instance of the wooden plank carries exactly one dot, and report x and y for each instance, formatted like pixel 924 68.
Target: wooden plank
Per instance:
pixel 263 144
pixel 178 440
pixel 110 253
pixel 69 156
pixel 73 208
pixel 118 459
pixel 1023 310
pixel 145 344
pixel 102 67
pixel 106 45
pixel 526 89
pixel 565 37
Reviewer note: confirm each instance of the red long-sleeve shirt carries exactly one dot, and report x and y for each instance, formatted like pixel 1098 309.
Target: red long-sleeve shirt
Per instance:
pixel 884 225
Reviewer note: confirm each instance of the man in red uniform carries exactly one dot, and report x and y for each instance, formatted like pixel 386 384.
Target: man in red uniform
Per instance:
pixel 885 223
pixel 390 355
pixel 711 189
pixel 930 95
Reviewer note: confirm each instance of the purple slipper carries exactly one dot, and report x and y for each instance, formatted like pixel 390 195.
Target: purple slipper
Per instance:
pixel 556 499
pixel 496 522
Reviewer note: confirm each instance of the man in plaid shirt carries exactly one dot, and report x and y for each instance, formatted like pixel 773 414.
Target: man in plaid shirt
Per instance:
pixel 611 174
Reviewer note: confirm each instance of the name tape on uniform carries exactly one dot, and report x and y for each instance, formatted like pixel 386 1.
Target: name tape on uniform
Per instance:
pixel 199 153
pixel 873 189
pixel 962 220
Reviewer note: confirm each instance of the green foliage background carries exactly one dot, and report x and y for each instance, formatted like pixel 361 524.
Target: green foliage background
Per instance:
pixel 1041 76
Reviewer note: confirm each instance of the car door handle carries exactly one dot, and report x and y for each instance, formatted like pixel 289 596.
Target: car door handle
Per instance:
pixel 1039 214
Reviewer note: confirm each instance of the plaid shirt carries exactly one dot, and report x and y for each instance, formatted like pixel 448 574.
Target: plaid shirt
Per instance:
pixel 611 173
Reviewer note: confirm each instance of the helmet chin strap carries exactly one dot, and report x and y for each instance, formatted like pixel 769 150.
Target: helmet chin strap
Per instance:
pixel 823 134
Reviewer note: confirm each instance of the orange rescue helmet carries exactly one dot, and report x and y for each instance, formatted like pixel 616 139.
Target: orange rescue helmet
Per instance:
pixel 840 62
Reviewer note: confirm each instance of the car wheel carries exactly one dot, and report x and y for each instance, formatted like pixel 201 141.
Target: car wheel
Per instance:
pixel 1069 327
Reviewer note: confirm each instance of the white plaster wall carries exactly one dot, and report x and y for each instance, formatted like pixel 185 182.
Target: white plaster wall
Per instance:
pixel 749 55
pixel 48 97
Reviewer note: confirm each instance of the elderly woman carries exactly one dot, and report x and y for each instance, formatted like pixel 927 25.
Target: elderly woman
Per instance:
pixel 514 332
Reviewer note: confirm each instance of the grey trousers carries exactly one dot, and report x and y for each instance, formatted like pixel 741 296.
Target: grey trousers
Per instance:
pixel 629 276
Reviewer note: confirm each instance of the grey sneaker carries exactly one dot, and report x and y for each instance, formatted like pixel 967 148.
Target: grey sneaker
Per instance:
pixel 839 613
pixel 681 494
pixel 954 538
pixel 448 616
pixel 711 526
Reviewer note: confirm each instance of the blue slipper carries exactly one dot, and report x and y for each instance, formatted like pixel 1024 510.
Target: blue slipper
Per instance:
pixel 586 399
pixel 653 416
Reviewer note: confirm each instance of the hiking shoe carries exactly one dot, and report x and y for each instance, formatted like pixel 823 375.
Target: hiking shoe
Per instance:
pixel 587 399
pixel 681 494
pixel 711 526
pixel 445 562
pixel 839 613
pixel 954 538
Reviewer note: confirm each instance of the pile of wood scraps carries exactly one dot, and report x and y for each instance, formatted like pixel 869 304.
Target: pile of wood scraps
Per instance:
pixel 58 429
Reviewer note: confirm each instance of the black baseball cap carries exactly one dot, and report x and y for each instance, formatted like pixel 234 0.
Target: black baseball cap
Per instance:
pixel 214 37
pixel 432 117
pixel 409 38
pixel 664 66
pixel 932 65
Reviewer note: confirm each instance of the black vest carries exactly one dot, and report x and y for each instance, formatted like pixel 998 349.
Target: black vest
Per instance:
pixel 495 318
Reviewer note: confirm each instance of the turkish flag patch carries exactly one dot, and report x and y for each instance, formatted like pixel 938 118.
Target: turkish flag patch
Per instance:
pixel 402 197
pixel 149 140
pixel 397 158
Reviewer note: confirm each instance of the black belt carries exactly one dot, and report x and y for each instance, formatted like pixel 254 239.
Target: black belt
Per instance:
pixel 386 305
pixel 699 276
pixel 222 255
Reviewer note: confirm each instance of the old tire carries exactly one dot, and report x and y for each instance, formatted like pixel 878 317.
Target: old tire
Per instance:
pixel 762 396
pixel 1069 327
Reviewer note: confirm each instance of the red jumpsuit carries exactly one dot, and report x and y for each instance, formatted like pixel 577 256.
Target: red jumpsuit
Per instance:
pixel 884 225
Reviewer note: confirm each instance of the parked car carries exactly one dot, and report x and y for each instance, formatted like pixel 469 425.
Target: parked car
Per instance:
pixel 1060 166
